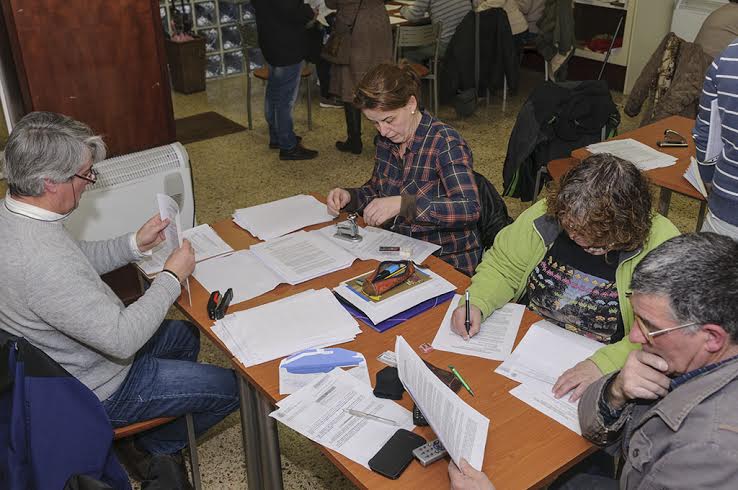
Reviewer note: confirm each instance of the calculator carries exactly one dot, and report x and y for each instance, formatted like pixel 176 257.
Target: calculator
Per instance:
pixel 430 452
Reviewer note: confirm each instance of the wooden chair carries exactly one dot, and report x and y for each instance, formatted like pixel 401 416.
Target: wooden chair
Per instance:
pixel 414 36
pixel 250 39
pixel 135 428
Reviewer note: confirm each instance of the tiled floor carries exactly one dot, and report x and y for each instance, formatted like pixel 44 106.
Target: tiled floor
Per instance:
pixel 239 170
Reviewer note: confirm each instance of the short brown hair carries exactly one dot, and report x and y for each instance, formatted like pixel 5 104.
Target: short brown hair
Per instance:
pixel 387 87
pixel 606 200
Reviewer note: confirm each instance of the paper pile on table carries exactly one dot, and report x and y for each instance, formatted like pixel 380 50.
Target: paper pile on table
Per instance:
pixel 277 218
pixel 543 355
pixel 313 318
pixel 642 156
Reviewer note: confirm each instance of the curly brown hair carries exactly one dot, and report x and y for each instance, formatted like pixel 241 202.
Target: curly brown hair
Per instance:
pixel 387 87
pixel 606 200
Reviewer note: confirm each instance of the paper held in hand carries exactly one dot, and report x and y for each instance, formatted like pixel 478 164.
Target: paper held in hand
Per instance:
pixel 465 434
pixel 169 209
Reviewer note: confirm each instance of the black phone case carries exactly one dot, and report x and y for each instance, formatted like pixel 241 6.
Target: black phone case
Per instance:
pixel 396 454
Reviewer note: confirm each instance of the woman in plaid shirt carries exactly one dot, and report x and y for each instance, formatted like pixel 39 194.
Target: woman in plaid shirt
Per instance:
pixel 422 185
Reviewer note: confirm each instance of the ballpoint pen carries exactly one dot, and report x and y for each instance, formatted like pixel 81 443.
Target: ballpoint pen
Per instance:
pixel 357 413
pixel 458 376
pixel 467 321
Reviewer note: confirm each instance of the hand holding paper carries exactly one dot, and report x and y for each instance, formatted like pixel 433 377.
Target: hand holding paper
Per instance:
pixel 151 233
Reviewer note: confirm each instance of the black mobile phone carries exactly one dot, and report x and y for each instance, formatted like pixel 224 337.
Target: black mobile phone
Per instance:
pixel 396 454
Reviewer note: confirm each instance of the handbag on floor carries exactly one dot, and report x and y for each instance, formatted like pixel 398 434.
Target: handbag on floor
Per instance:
pixel 337 49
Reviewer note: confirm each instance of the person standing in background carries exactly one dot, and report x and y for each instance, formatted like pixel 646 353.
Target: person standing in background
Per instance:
pixel 371 44
pixel 719 29
pixel 449 13
pixel 532 10
pixel 283 38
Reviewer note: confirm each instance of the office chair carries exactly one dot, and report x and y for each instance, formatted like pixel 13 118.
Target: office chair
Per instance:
pixel 418 36
pixel 250 39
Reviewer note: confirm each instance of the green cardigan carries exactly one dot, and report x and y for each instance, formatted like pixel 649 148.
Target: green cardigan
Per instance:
pixel 502 276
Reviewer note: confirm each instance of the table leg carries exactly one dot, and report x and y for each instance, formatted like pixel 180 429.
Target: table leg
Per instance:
pixel 664 201
pixel 701 215
pixel 250 431
pixel 271 462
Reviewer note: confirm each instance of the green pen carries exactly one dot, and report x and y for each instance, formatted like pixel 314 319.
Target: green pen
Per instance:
pixel 458 376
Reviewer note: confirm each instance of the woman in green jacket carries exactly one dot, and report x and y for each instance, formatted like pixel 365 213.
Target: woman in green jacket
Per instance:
pixel 570 258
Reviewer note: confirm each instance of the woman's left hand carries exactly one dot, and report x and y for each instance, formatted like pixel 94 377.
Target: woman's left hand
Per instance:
pixel 578 379
pixel 381 209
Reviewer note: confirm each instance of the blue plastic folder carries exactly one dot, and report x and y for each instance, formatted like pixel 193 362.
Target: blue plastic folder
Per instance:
pixel 321 360
pixel 400 317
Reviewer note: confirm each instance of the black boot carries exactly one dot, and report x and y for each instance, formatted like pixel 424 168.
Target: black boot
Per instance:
pixel 353 128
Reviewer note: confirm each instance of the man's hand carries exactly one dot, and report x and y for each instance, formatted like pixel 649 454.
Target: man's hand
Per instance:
pixel 467 478
pixel 182 261
pixel 578 379
pixel 381 209
pixel 151 233
pixel 337 199
pixel 459 317
pixel 642 377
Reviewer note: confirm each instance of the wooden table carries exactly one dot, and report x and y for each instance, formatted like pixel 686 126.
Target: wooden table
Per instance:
pixel 524 447
pixel 669 179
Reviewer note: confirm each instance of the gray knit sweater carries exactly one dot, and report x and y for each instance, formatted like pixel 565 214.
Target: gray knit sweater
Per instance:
pixel 51 294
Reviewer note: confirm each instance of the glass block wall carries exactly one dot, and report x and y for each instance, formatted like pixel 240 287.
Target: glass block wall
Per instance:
pixel 217 21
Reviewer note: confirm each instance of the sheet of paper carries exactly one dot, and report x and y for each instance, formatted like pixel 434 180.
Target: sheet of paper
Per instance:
pixel 391 7
pixel 373 238
pixel 301 256
pixel 291 382
pixel 692 174
pixel 405 2
pixel 494 340
pixel 241 271
pixel 562 410
pixel 277 218
pixel 280 328
pixel 643 156
pixel 714 136
pixel 545 352
pixel 205 241
pixel 396 20
pixel 461 429
pixel 318 411
pixel 169 209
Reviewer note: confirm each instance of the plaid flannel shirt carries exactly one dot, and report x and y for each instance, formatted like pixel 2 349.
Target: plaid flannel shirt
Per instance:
pixel 440 201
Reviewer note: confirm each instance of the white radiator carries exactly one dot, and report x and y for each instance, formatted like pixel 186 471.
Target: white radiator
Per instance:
pixel 124 196
pixel 689 16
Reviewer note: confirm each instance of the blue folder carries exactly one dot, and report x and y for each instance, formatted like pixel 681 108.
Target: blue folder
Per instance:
pixel 400 317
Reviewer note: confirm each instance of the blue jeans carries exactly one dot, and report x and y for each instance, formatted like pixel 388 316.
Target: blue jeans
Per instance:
pixel 281 93
pixel 166 380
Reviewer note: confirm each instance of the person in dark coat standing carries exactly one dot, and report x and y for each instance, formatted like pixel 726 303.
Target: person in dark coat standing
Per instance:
pixel 371 44
pixel 283 41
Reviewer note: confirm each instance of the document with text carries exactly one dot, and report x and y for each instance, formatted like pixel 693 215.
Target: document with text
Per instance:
pixel 461 429
pixel 169 209
pixel 495 339
pixel 319 412
pixel 277 218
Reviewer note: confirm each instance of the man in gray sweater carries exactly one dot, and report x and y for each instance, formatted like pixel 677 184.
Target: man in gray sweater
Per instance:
pixel 139 365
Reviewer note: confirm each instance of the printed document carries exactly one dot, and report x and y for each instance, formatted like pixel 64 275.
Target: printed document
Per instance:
pixel 373 238
pixel 714 136
pixel 693 176
pixel 318 411
pixel 461 429
pixel 545 352
pixel 277 218
pixel 205 241
pixel 169 209
pixel 495 339
pixel 643 156
pixel 280 328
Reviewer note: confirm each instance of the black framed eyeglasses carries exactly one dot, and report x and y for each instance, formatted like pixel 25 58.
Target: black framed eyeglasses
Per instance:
pixel 90 176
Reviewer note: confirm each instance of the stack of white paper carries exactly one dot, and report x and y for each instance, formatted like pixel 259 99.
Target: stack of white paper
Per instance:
pixel 373 238
pixel 204 240
pixel 391 306
pixel 693 177
pixel 494 340
pixel 319 412
pixel 277 218
pixel 642 156
pixel 543 355
pixel 308 319
pixel 461 429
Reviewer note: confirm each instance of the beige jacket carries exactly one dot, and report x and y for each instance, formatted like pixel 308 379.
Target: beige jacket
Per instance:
pixel 516 18
pixel 687 440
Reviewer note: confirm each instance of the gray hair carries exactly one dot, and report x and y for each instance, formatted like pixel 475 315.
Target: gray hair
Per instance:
pixel 48 146
pixel 698 273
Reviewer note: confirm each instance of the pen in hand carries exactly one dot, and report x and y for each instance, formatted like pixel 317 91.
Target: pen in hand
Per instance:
pixel 467 321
